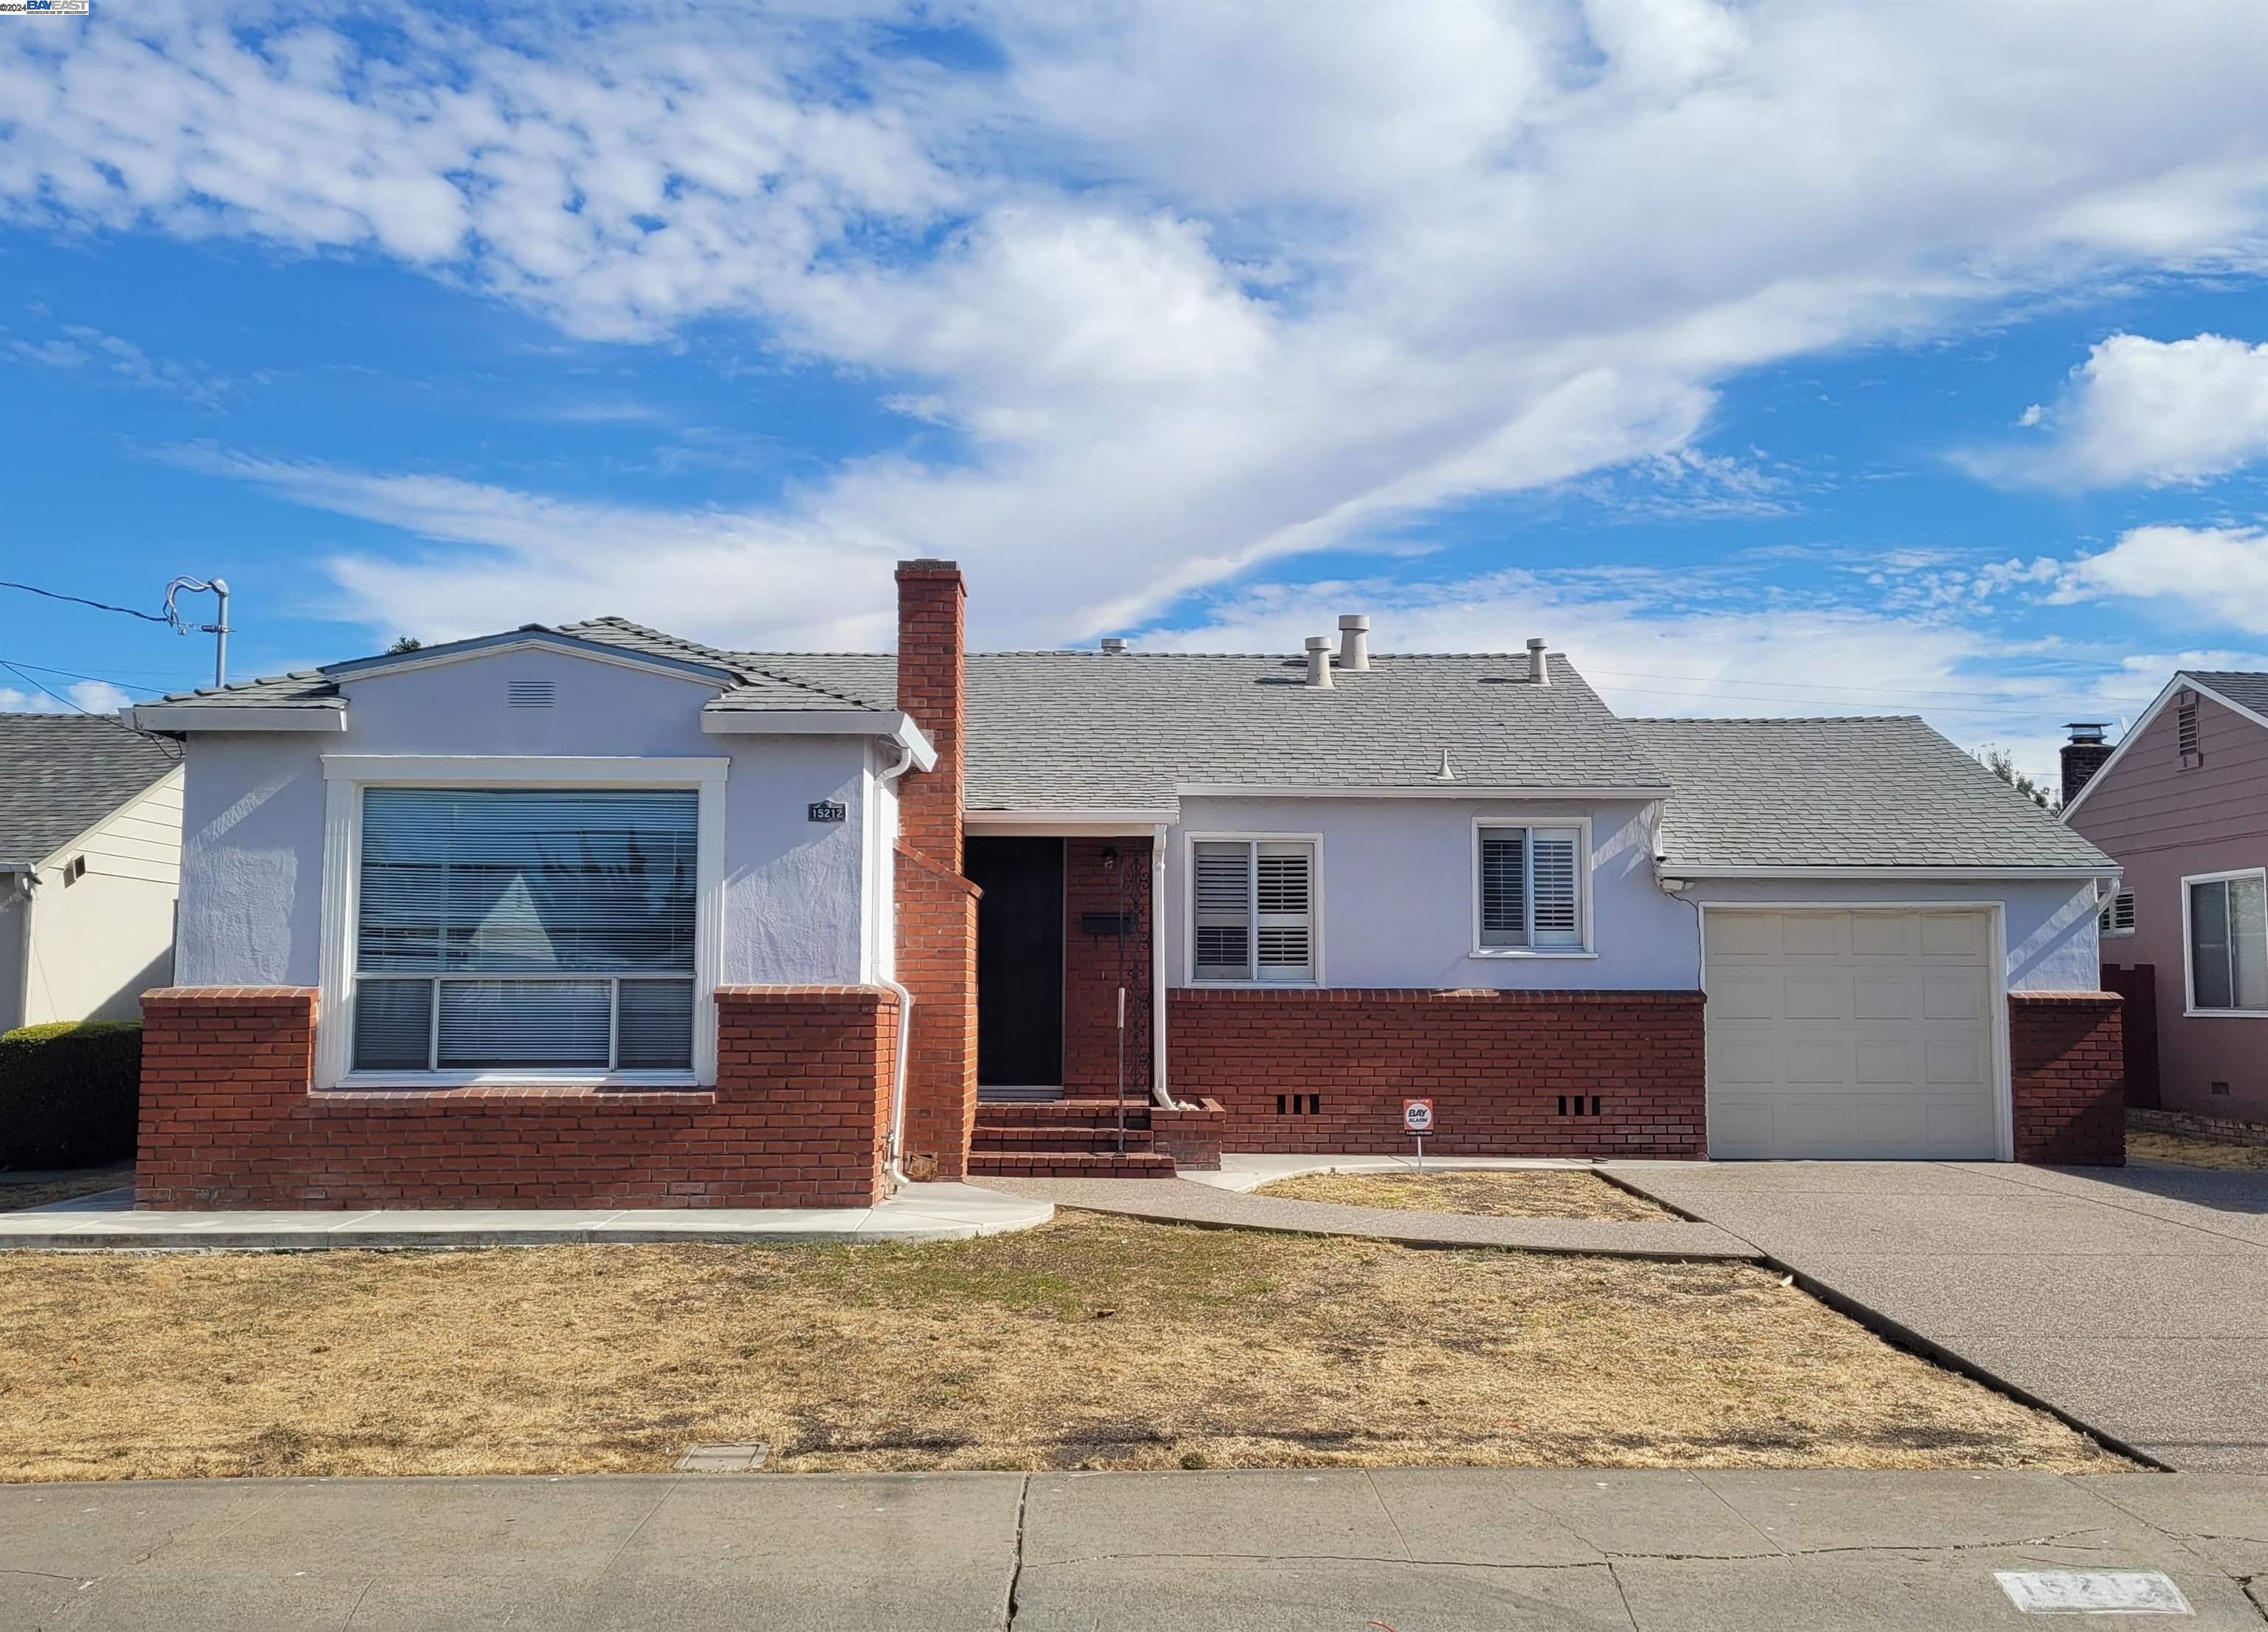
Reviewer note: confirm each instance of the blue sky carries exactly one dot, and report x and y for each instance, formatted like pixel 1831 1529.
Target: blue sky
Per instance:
pixel 1766 358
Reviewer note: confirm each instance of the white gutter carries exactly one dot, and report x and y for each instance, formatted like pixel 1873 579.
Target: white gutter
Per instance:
pixel 1913 874
pixel 896 1152
pixel 1160 1092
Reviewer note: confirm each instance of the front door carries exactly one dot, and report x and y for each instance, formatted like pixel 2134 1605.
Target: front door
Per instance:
pixel 1020 961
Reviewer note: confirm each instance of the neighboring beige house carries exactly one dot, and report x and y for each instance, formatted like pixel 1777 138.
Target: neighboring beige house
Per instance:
pixel 90 866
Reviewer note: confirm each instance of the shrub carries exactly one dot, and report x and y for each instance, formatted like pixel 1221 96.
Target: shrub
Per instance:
pixel 70 1093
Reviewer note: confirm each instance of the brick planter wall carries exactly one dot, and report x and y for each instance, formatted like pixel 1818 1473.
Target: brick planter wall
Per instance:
pixel 2068 1074
pixel 2188 1125
pixel 1591 1074
pixel 799 1116
pixel 1190 1133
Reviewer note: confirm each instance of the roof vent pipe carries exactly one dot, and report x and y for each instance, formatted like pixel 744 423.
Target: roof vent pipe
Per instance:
pixel 1539 672
pixel 1354 642
pixel 1319 660
pixel 1114 643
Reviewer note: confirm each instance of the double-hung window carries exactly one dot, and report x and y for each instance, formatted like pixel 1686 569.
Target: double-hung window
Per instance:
pixel 529 929
pixel 1255 909
pixel 2227 943
pixel 1531 883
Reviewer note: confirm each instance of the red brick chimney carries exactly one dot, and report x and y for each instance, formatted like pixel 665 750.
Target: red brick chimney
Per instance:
pixel 931 603
pixel 936 904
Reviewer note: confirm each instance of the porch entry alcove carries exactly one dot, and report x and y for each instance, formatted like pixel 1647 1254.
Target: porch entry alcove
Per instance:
pixel 1019 966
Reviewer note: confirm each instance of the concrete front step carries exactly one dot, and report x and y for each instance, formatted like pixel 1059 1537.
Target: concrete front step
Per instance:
pixel 1069 1164
pixel 1061 1113
pixel 1067 1139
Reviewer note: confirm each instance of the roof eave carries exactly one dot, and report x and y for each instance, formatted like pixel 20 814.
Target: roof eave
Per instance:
pixel 177 718
pixel 1431 790
pixel 2019 872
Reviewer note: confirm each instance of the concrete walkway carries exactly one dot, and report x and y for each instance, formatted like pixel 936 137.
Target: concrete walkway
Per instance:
pixel 1276 1551
pixel 1180 1201
pixel 2133 1300
pixel 916 1213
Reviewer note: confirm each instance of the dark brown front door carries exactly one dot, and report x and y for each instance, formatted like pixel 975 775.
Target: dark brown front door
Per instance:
pixel 1020 961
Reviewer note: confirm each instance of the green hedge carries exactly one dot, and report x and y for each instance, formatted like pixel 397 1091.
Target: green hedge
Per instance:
pixel 70 1093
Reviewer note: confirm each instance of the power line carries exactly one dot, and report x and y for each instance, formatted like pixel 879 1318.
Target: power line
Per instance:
pixel 1787 685
pixel 100 606
pixel 68 673
pixel 106 719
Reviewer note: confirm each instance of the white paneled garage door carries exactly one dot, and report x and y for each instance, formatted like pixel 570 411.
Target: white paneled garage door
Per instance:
pixel 1852 1034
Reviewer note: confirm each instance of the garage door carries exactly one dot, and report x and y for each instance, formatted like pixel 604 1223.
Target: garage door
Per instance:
pixel 1851 1035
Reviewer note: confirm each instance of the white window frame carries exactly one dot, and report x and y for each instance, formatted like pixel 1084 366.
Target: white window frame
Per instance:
pixel 345 776
pixel 2189 1009
pixel 1315 843
pixel 2106 916
pixel 1583 892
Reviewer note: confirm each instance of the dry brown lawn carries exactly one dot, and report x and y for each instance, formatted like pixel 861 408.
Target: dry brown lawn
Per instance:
pixel 16 1194
pixel 2195 1152
pixel 1093 1342
pixel 1533 1193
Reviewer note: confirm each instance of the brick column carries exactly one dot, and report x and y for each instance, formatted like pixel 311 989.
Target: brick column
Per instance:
pixel 932 601
pixel 936 904
pixel 225 1072
pixel 2067 1074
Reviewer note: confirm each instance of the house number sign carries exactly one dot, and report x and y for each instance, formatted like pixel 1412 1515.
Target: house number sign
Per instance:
pixel 828 810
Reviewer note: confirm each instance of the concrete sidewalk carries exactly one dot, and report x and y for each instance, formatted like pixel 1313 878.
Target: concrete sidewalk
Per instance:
pixel 2135 1300
pixel 1413 1550
pixel 932 1212
pixel 1179 1201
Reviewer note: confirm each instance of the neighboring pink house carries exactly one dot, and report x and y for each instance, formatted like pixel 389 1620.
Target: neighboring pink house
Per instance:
pixel 2182 805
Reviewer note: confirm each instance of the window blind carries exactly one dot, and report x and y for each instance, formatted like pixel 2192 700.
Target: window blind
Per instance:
pixel 2228 944
pixel 541 929
pixel 1255 910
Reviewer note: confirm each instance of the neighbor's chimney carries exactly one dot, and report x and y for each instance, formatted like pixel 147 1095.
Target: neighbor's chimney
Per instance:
pixel 1354 642
pixel 1319 660
pixel 1539 672
pixel 932 600
pixel 2084 755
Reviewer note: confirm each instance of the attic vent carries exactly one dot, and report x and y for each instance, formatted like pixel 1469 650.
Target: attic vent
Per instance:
pixel 2185 730
pixel 530 693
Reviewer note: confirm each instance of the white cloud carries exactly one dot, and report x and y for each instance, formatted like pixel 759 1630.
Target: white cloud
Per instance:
pixel 2142 410
pixel 94 697
pixel 124 362
pixel 1195 289
pixel 2216 575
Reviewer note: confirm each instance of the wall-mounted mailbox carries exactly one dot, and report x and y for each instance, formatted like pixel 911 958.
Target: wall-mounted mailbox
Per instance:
pixel 1106 923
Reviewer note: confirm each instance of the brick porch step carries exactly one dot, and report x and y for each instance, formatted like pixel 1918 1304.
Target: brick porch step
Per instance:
pixel 1069 1164
pixel 1033 1137
pixel 1060 1113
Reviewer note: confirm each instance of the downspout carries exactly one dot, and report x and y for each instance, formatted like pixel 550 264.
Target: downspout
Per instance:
pixel 1160 1090
pixel 897 1149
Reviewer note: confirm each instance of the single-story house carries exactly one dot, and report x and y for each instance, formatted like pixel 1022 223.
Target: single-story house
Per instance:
pixel 2182 804
pixel 90 859
pixel 594 914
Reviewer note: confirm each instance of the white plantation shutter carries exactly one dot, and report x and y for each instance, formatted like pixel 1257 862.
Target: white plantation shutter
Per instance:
pixel 1504 886
pixel 1531 887
pixel 535 930
pixel 1224 911
pixel 1554 885
pixel 1255 910
pixel 1286 921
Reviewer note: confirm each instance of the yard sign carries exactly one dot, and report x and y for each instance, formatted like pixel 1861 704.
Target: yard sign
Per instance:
pixel 1418 1121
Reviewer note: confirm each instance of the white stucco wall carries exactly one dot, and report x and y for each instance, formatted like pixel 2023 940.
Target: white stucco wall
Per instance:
pixel 98 941
pixel 254 817
pixel 2050 926
pixel 1397 885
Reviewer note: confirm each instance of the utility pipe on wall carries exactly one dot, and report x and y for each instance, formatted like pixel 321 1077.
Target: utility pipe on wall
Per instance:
pixel 895 1153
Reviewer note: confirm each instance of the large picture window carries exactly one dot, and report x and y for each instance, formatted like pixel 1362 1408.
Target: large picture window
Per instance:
pixel 525 929
pixel 1255 909
pixel 1531 888
pixel 2228 943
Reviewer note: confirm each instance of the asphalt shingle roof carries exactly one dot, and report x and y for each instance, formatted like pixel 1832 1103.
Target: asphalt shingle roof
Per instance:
pixel 2244 688
pixel 61 773
pixel 1874 791
pixel 1095 730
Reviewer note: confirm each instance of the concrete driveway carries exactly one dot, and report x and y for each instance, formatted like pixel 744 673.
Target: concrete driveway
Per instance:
pixel 2135 1300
